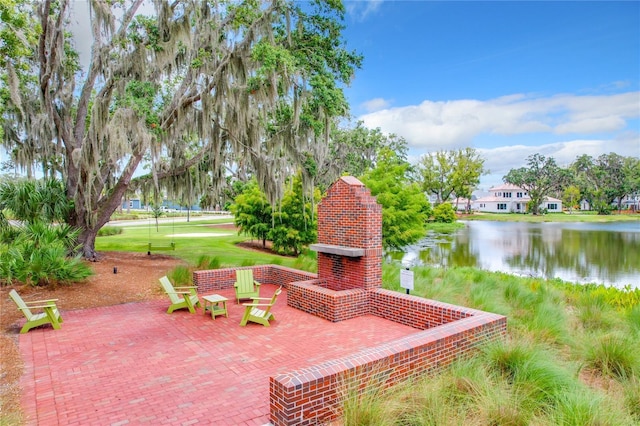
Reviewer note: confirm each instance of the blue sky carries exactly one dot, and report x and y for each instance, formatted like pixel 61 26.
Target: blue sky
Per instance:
pixel 560 78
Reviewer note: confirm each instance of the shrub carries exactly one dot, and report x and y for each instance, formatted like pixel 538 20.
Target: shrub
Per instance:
pixel 106 231
pixel 39 255
pixel 363 401
pixel 444 213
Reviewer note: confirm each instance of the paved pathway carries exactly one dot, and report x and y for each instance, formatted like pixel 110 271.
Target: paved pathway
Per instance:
pixel 173 219
pixel 134 364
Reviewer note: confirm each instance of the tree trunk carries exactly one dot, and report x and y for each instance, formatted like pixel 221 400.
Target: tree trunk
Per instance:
pixel 103 207
pixel 88 240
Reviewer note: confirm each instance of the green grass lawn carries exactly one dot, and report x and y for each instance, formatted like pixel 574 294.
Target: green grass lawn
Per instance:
pixel 554 217
pixel 190 244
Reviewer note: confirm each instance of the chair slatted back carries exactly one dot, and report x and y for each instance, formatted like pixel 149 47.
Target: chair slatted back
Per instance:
pixel 272 302
pixel 21 305
pixel 244 278
pixel 168 288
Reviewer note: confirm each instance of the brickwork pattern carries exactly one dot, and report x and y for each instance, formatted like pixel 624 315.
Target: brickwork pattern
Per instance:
pixel 315 394
pixel 314 297
pixel 415 311
pixel 349 216
pixel 349 286
pixel 219 279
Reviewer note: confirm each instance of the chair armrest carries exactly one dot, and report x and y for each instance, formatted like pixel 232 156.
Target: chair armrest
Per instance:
pixel 38 306
pixel 187 287
pixel 180 292
pixel 40 301
pixel 261 298
pixel 257 304
pixel 256 283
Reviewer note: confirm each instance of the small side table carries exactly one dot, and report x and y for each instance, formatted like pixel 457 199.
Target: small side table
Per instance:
pixel 216 304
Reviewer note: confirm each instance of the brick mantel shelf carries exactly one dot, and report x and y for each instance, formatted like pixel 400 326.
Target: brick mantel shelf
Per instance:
pixel 339 250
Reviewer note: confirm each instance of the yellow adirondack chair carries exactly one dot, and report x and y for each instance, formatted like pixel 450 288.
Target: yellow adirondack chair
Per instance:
pixel 50 314
pixel 246 287
pixel 252 312
pixel 181 297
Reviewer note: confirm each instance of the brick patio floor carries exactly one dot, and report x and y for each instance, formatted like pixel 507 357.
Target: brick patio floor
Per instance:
pixel 134 364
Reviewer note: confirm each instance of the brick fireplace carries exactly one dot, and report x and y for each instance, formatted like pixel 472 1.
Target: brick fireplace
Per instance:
pixel 349 284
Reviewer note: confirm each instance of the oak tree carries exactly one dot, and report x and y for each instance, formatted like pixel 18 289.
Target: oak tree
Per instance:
pixel 540 178
pixel 444 173
pixel 216 87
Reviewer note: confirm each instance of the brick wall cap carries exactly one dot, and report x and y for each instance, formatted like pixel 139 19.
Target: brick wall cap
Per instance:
pixel 350 180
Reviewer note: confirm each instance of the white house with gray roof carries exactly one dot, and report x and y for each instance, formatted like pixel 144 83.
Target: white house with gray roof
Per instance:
pixel 508 198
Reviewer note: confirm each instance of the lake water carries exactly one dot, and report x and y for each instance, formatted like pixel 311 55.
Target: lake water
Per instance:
pixel 604 253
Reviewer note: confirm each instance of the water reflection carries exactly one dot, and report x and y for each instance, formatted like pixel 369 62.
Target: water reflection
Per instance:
pixel 607 253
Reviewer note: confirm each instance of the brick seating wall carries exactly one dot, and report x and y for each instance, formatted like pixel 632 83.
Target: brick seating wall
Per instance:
pixel 447 332
pixel 315 394
pixel 218 279
pixel 415 311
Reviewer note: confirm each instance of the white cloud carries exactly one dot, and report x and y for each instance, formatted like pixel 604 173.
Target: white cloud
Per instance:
pixel 360 10
pixel 592 125
pixel 502 159
pixel 376 104
pixel 450 124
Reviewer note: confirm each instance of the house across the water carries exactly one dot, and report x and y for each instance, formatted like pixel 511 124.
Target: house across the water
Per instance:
pixel 508 198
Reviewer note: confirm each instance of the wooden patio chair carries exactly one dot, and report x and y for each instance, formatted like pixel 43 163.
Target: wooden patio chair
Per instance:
pixel 260 312
pixel 181 297
pixel 49 314
pixel 246 287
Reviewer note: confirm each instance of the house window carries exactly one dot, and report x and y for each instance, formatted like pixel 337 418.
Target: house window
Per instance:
pixel 552 206
pixel 130 204
pixel 502 206
pixel 519 194
pixel 507 195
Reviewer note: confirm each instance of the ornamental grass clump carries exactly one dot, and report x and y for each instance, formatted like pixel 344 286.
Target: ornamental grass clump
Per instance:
pixel 181 276
pixel 594 313
pixel 633 318
pixel 631 392
pixel 614 355
pixel 363 401
pixel 206 262
pixel 584 407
